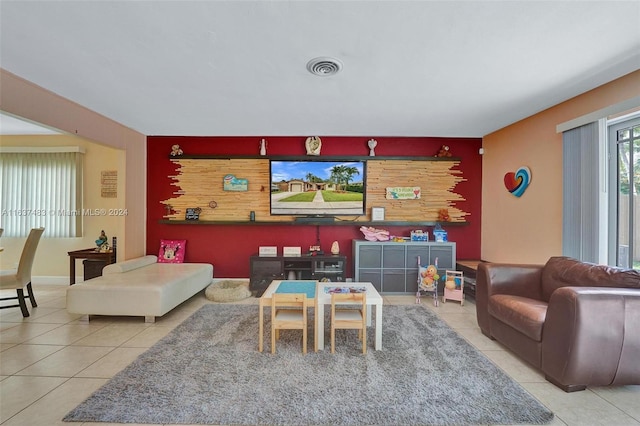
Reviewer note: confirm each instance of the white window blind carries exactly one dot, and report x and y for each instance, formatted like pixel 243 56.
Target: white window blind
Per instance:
pixel 581 213
pixel 41 189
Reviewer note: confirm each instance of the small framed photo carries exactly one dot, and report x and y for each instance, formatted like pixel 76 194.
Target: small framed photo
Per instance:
pixel 377 214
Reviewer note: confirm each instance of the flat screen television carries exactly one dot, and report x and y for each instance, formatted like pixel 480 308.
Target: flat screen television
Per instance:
pixel 318 188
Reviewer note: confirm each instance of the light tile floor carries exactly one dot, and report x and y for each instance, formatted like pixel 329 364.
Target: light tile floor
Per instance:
pixel 50 362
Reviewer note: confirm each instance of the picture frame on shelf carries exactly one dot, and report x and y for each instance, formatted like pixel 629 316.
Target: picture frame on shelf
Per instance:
pixel 377 214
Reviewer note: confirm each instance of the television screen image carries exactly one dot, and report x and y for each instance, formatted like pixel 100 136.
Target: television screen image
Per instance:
pixel 318 187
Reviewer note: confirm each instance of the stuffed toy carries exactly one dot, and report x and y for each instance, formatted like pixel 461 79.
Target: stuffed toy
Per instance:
pixel 444 151
pixel 373 234
pixel 176 151
pixel 443 215
pixel 428 277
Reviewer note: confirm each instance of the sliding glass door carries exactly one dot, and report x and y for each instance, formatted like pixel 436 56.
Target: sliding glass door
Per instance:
pixel 624 230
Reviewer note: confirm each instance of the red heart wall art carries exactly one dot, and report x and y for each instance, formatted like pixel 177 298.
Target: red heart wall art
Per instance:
pixel 516 183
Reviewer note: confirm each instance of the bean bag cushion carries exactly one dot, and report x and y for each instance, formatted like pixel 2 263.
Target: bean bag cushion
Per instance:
pixel 228 291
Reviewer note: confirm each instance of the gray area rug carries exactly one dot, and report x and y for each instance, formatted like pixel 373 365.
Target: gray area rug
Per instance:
pixel 209 371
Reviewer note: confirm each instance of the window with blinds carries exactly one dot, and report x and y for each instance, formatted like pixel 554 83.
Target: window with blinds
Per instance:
pixel 624 166
pixel 41 187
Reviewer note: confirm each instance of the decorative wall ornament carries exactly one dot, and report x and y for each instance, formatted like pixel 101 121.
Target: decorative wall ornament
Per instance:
pixel 444 151
pixel 403 193
pixel 516 183
pixel 335 248
pixel 377 214
pixel 313 145
pixel 232 183
pixel 443 215
pixel 109 184
pixel 372 143
pixel 193 213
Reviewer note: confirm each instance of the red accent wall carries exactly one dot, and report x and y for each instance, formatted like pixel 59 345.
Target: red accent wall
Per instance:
pixel 228 247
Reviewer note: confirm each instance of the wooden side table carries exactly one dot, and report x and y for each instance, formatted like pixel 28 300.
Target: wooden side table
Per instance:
pixel 107 257
pixel 469 268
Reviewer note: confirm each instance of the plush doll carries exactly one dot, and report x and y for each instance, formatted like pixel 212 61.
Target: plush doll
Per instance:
pixel 453 283
pixel 450 284
pixel 428 277
pixel 444 151
pixel 443 215
pixel 176 151
pixel 373 234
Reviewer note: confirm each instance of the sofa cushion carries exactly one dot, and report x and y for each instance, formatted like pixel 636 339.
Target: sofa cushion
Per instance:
pixel 563 271
pixel 129 265
pixel 524 314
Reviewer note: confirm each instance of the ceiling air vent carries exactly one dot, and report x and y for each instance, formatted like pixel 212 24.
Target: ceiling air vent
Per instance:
pixel 324 67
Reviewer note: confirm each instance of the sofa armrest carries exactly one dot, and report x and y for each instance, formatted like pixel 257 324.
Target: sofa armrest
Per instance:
pixel 129 265
pixel 503 278
pixel 591 336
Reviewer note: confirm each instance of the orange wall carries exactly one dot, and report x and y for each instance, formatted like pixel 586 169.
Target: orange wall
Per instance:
pixel 529 229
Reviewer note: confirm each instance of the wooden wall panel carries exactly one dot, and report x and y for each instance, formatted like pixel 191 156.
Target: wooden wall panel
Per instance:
pixel 436 179
pixel 200 181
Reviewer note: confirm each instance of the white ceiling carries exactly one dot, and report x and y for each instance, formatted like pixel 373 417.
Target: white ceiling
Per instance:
pixel 411 68
pixel 10 125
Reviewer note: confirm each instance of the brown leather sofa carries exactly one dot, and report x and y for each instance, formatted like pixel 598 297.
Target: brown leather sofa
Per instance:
pixel 577 322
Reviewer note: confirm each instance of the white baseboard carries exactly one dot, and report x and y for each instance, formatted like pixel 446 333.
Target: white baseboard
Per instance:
pixel 64 280
pixel 53 280
pixel 215 279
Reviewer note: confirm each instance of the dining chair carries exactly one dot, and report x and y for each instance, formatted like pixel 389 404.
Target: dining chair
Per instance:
pixel 22 277
pixel 288 312
pixel 349 311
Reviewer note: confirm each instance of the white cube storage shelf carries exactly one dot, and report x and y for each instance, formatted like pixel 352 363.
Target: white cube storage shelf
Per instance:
pixel 393 267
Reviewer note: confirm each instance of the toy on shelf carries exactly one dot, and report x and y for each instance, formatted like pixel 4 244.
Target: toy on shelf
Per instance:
pixel 443 215
pixel 444 151
pixel 373 234
pixel 315 250
pixel 428 281
pixel 439 234
pixel 102 243
pixel 419 235
pixel 453 286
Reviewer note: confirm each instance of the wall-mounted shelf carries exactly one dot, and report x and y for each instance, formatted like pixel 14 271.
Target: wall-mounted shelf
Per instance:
pixel 307 157
pixel 297 223
pixel 438 174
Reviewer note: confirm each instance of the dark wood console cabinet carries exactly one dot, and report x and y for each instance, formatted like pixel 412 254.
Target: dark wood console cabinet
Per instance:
pixel 265 269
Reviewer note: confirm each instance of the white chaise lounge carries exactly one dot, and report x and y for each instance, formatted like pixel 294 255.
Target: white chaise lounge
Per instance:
pixel 139 287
